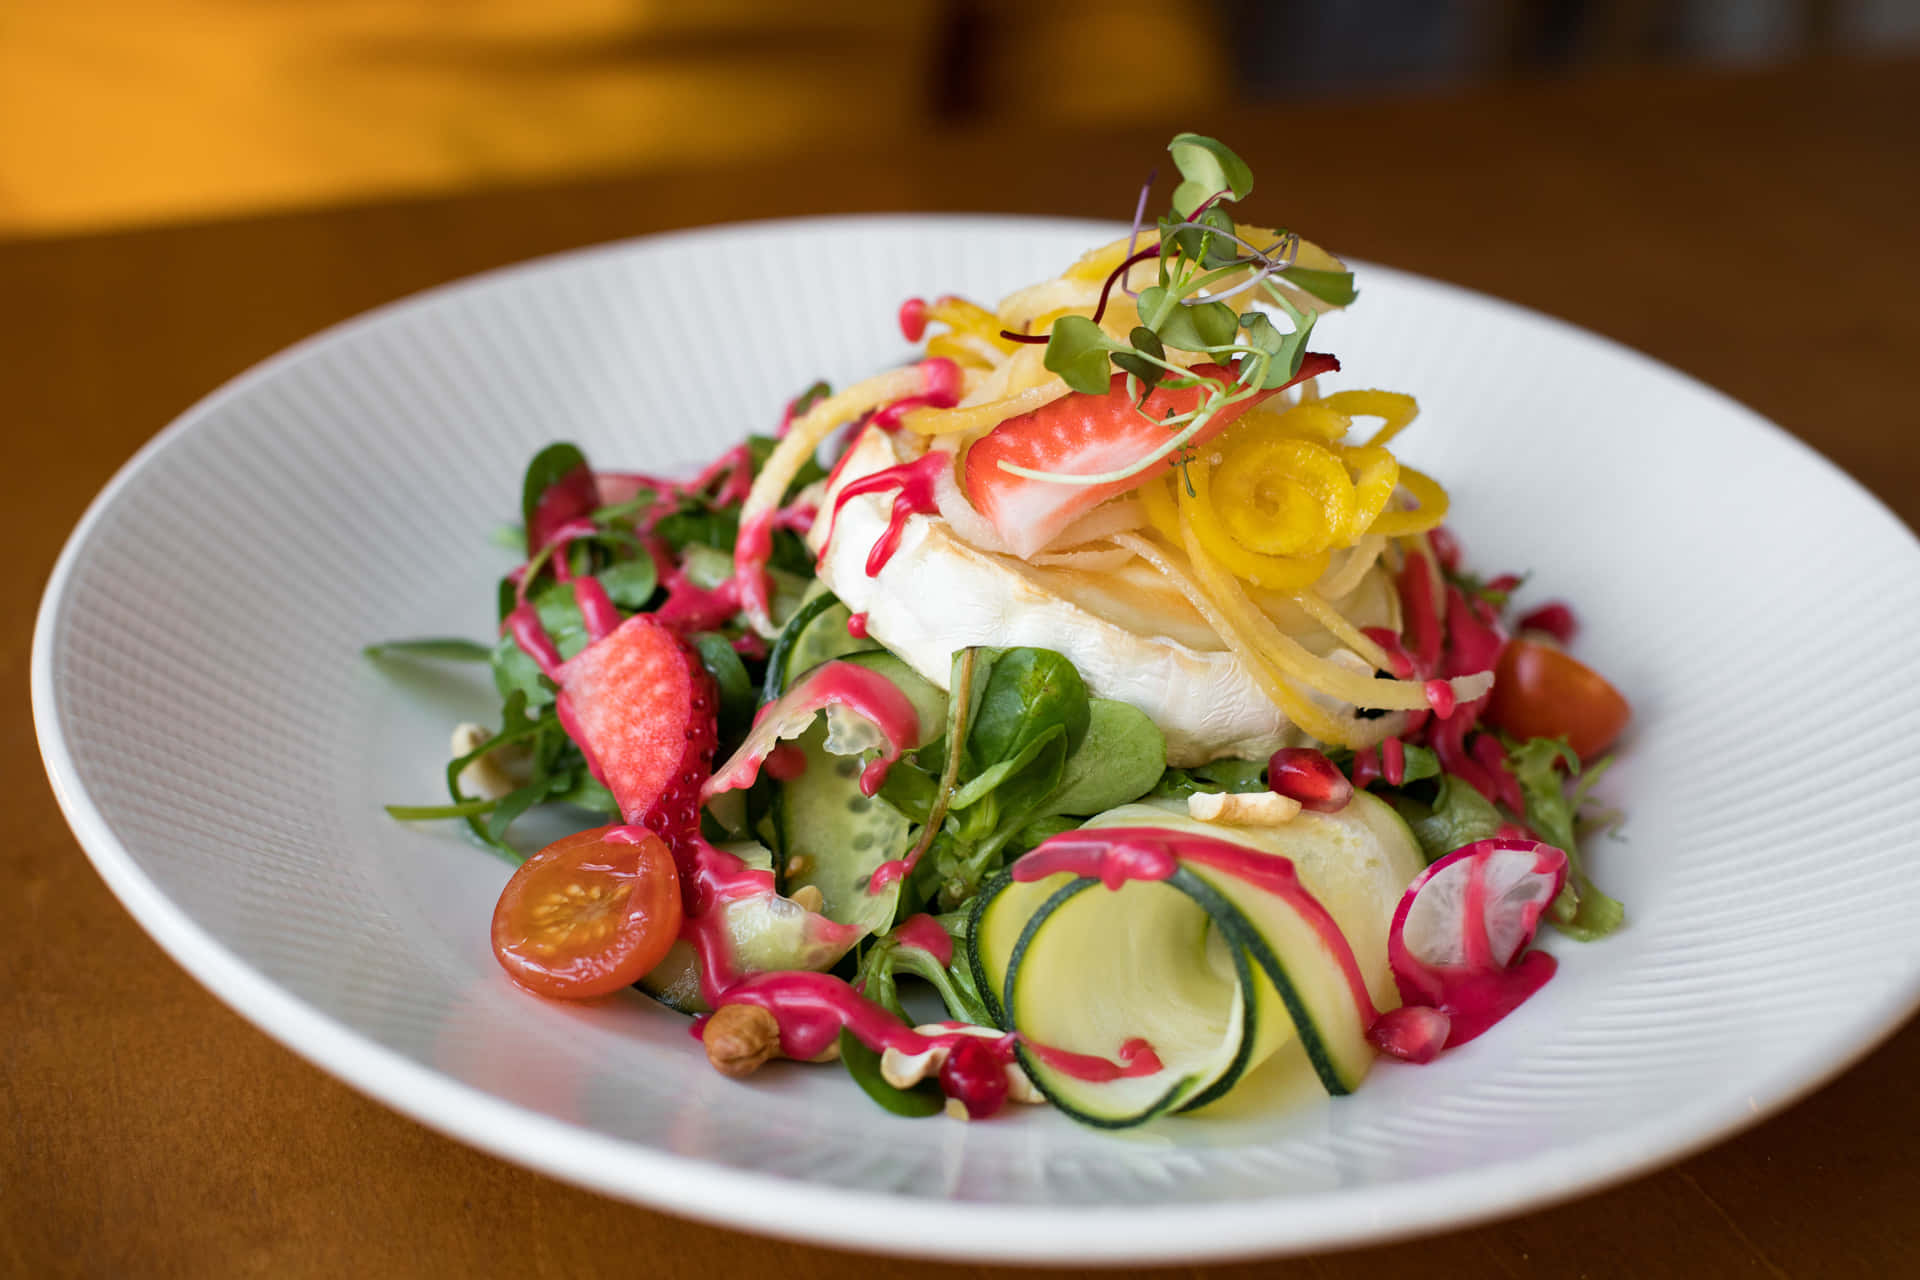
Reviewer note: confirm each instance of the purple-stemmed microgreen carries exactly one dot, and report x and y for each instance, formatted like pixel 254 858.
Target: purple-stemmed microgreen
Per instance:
pixel 1199 248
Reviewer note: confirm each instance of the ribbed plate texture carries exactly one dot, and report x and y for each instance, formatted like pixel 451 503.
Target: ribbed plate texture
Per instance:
pixel 223 751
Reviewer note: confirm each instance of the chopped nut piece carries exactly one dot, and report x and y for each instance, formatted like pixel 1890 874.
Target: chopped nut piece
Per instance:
pixel 1243 809
pixel 740 1038
pixel 799 864
pixel 489 777
pixel 905 1070
pixel 809 896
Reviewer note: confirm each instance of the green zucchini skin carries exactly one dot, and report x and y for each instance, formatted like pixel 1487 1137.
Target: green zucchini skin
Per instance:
pixel 1286 979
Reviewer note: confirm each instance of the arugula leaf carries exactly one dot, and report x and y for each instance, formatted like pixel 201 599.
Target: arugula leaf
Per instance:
pixel 436 648
pixel 1458 816
pixel 1581 910
pixel 863 1064
pixel 1078 350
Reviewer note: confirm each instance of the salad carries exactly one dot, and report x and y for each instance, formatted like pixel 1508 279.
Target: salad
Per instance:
pixel 1094 711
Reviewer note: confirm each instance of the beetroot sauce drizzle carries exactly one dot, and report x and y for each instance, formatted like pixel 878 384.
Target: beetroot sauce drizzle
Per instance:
pixel 923 933
pixel 916 482
pixel 1117 855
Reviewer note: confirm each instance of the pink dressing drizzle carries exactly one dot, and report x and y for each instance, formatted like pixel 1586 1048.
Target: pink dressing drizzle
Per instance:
pixel 1137 1058
pixel 1116 855
pixel 531 636
pixel 566 500
pixel 1393 761
pixel 859 689
pixel 913 319
pixel 923 933
pixel 915 482
pixel 596 608
pixel 940 389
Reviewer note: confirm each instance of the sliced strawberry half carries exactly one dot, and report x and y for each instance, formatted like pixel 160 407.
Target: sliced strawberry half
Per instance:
pixel 641 708
pixel 1081 434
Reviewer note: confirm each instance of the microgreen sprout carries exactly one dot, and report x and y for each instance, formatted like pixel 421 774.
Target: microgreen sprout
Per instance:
pixel 1199 247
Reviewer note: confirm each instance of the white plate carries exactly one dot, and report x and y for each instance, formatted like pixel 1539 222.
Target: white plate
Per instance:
pixel 222 752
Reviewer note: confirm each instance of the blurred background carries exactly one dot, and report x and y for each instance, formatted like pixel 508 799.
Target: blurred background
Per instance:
pixel 117 113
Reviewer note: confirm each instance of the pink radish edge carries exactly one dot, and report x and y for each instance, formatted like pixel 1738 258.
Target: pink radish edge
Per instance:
pixel 1481 987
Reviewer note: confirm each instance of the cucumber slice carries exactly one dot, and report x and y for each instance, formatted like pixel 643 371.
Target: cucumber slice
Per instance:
pixel 928 699
pixel 816 632
pixel 1216 972
pixel 834 838
pixel 765 932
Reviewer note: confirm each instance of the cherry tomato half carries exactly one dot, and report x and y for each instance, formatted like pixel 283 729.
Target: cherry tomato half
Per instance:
pixel 588 915
pixel 1540 692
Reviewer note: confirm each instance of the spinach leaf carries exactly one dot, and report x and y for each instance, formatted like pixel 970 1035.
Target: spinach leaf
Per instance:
pixel 722 662
pixel 630 583
pixel 1026 692
pixel 863 1064
pixel 1217 776
pixel 549 467
pixel 1120 759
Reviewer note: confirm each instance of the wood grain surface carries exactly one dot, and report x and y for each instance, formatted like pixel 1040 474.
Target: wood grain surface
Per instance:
pixel 1756 230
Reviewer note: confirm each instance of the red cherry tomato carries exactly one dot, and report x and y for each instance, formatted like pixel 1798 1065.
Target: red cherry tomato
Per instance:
pixel 588 915
pixel 1540 692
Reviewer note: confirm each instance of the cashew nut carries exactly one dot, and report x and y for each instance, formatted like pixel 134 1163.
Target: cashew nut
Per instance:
pixel 1242 809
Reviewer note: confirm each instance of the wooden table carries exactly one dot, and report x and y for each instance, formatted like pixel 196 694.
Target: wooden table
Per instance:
pixel 1755 230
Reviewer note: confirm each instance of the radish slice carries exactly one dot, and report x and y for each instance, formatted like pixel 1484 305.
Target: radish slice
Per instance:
pixel 1458 938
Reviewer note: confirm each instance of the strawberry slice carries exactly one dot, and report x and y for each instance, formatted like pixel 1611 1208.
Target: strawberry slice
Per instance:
pixel 641 707
pixel 1081 434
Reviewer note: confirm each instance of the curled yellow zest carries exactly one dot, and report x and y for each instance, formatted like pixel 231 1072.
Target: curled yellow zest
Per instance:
pixel 982 418
pixel 1335 623
pixel 1274 572
pixel 803 439
pixel 1432 510
pixel 1395 410
pixel 968 319
pixel 1376 474
pixel 1283 497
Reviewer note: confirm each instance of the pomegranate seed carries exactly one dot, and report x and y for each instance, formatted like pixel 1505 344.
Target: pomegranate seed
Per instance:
pixel 1554 619
pixel 1440 697
pixel 913 319
pixel 1412 1033
pixel 974 1076
pixel 1303 774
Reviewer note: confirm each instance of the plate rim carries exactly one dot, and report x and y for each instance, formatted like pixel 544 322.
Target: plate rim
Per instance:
pixel 888 1222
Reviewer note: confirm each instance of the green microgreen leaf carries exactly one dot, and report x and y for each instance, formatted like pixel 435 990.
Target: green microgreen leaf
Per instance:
pixel 435 648
pixel 1335 287
pixel 1208 167
pixel 1140 362
pixel 433 812
pixel 1078 351
pixel 1199 328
